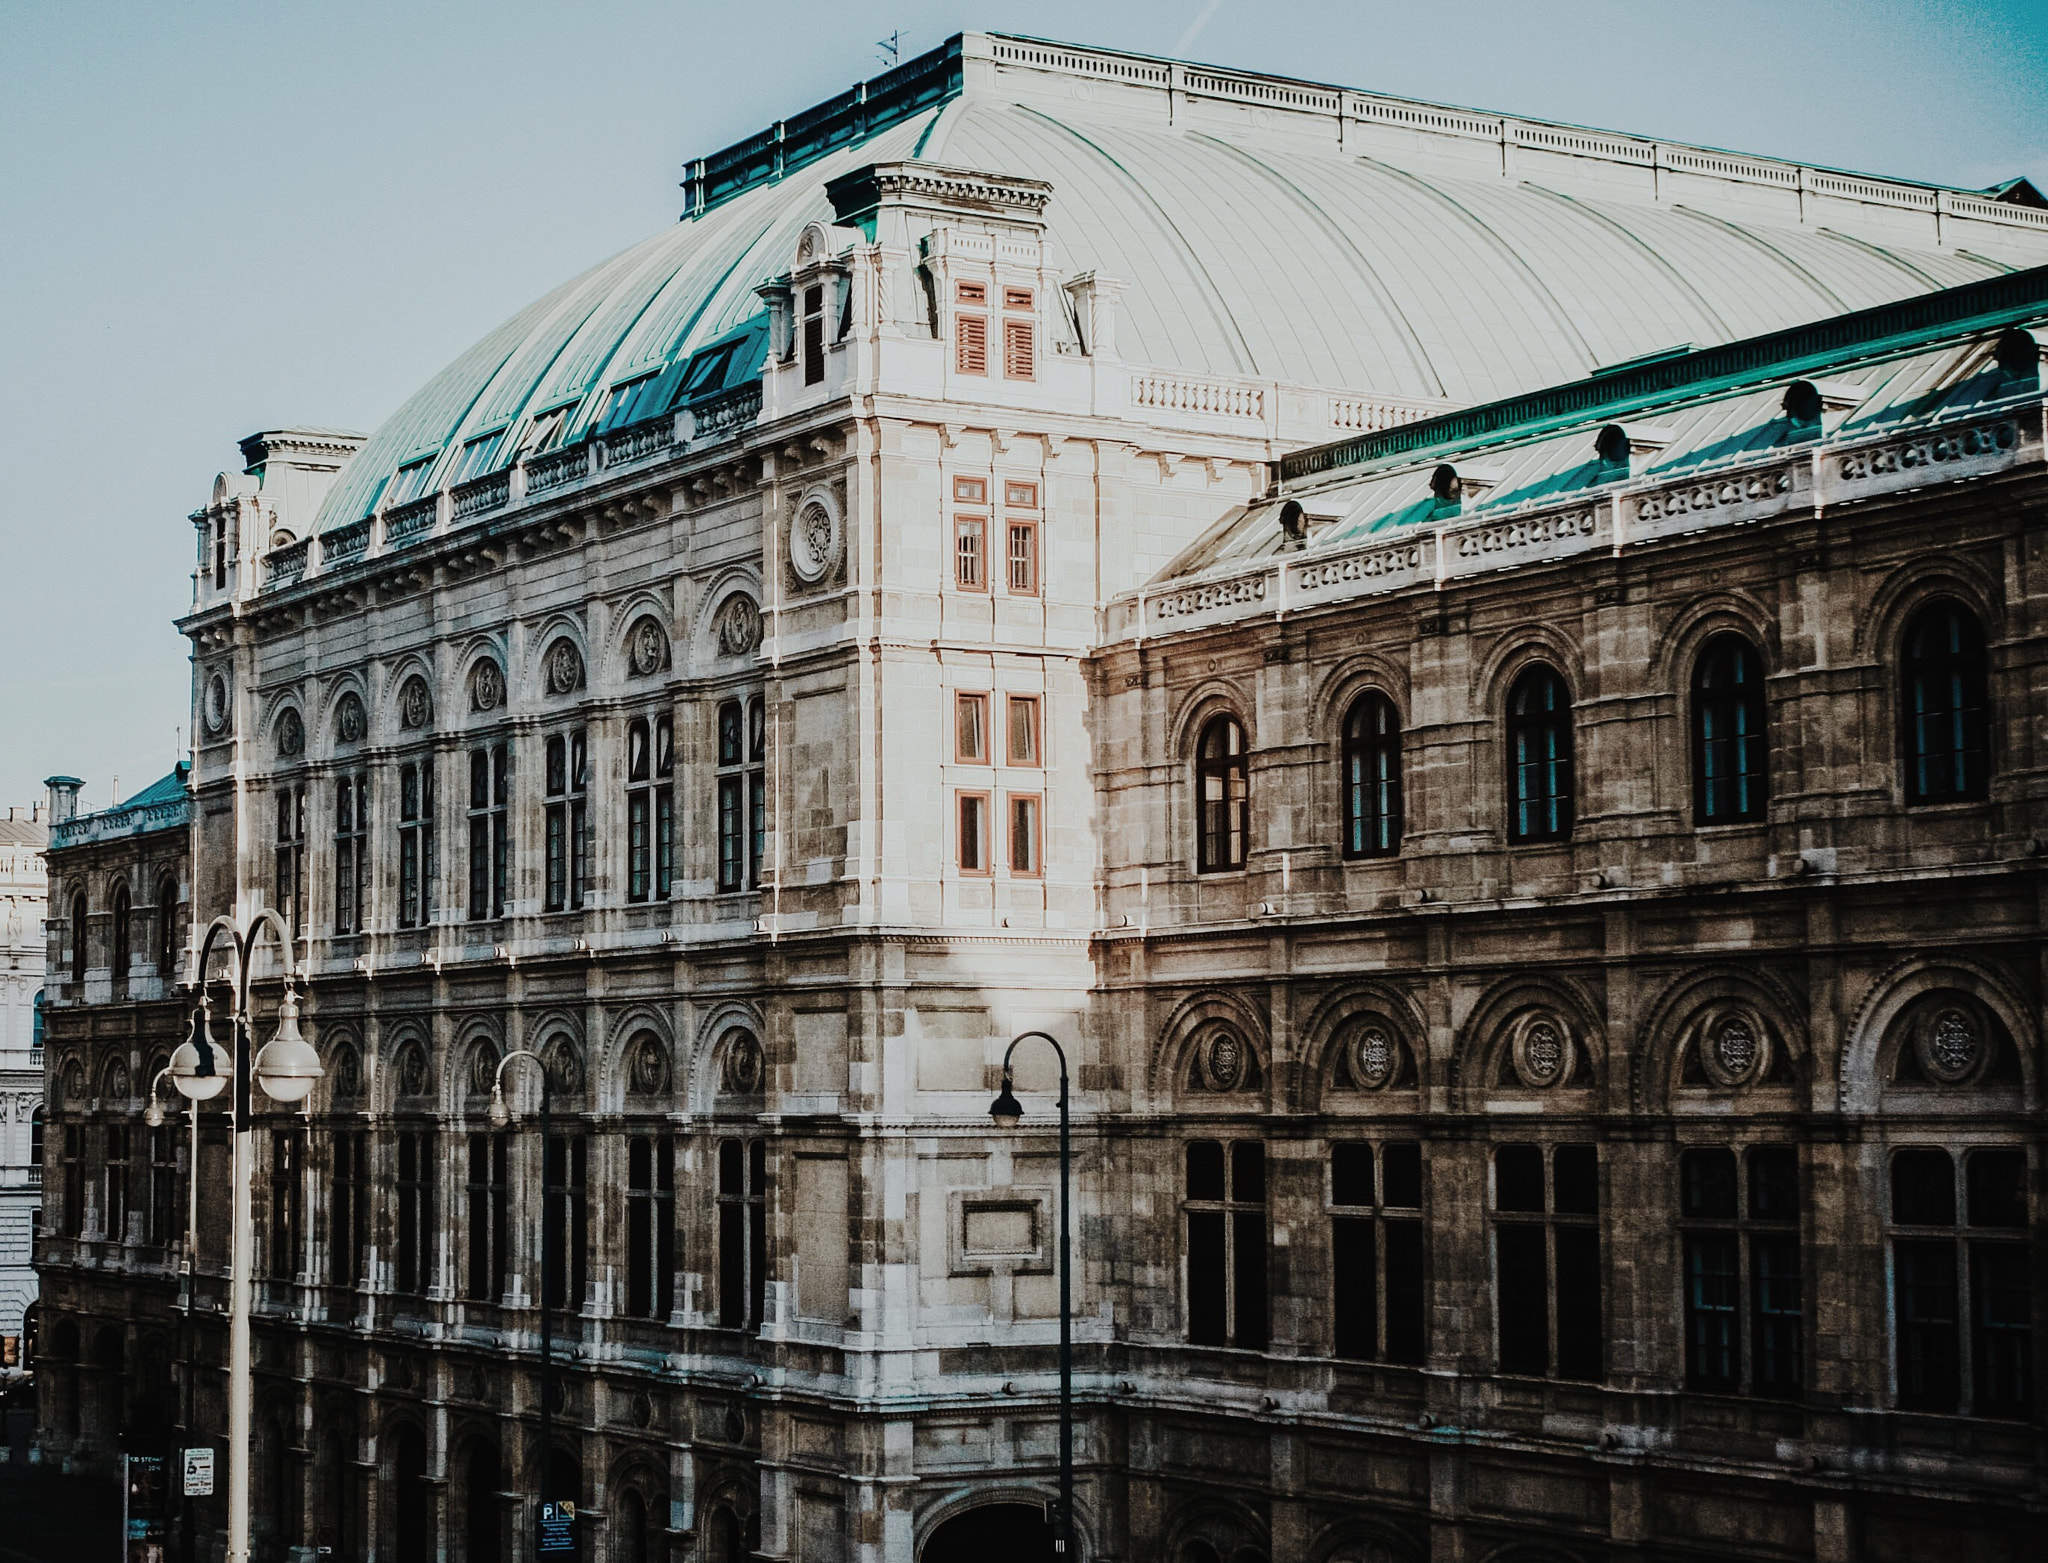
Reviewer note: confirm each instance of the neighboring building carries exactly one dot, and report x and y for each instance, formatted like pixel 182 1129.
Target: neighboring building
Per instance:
pixel 24 895
pixel 884 614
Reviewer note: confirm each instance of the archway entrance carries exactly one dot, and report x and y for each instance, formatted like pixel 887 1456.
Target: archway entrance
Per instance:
pixel 993 1533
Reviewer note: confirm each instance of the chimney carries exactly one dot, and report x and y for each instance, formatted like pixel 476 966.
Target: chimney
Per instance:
pixel 63 797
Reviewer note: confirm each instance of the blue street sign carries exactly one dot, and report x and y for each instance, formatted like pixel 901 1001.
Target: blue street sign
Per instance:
pixel 557 1530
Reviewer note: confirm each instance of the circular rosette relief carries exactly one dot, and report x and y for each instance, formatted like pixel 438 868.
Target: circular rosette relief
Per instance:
pixel 1951 1044
pixel 1734 1049
pixel 1543 1053
pixel 813 540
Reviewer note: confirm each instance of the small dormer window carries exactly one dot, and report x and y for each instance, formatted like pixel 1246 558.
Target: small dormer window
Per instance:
pixel 814 334
pixel 622 405
pixel 411 481
pixel 477 455
pixel 1020 335
pixel 545 432
pixel 970 329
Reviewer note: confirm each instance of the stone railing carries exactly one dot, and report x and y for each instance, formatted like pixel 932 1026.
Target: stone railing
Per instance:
pixel 1368 414
pixel 556 468
pixel 282 566
pixel 1168 392
pixel 728 412
pixel 345 544
pixel 637 441
pixel 480 495
pixel 406 523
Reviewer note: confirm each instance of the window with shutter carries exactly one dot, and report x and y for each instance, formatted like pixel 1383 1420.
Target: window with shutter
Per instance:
pixel 972 335
pixel 1020 350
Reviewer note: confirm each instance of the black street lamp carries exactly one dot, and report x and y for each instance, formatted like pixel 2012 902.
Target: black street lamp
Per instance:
pixel 1008 1112
pixel 500 1118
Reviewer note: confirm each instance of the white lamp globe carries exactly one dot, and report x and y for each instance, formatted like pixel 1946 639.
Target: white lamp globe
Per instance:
pixel 288 1068
pixel 185 1075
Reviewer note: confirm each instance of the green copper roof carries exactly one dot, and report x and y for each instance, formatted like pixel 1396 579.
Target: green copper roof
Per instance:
pixel 1419 263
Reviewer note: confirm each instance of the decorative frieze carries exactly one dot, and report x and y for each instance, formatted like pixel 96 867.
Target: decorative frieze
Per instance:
pixel 484 494
pixel 1245 591
pixel 1519 540
pixel 1384 568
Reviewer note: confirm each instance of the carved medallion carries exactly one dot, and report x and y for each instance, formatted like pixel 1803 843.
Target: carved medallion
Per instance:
pixel 415 705
pixel 813 541
pixel 1735 1047
pixel 1951 1046
pixel 291 735
pixel 486 687
pixel 1734 1050
pixel 1224 1061
pixel 646 1066
pixel 646 648
pixel 738 627
pixel 217 709
pixel 117 1081
pixel 483 1069
pixel 744 1066
pixel 350 720
pixel 412 1071
pixel 565 1069
pixel 1542 1055
pixel 1373 1058
pixel 348 1072
pixel 563 669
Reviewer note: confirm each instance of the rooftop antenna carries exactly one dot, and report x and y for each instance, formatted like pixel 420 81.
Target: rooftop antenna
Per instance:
pixel 890 50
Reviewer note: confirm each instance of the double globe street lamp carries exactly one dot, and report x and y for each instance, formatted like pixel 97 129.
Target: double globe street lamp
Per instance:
pixel 287 1067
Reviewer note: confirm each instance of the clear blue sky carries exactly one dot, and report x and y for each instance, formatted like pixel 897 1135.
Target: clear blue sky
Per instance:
pixel 221 217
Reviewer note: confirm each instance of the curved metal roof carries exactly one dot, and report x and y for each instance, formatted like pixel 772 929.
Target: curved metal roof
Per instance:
pixel 1262 252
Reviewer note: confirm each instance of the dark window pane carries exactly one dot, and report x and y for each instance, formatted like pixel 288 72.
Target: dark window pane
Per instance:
pixel 1206 1284
pixel 2002 1344
pixel 1248 1172
pixel 1518 1178
pixel 1351 1174
pixel 1777 1316
pixel 1924 1306
pixel 1575 1180
pixel 732 1265
pixel 1774 1184
pixel 1355 1264
pixel 1579 1328
pixel 1522 1300
pixel 1923 1189
pixel 1401 1174
pixel 1205 1169
pixel 1405 1333
pixel 1707 1179
pixel 1998 1188
pixel 1944 706
pixel 1713 1318
pixel 1248 1239
pixel 731 1173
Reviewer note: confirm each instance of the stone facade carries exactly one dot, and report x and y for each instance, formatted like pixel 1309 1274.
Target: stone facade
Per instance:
pixel 23 897
pixel 765 762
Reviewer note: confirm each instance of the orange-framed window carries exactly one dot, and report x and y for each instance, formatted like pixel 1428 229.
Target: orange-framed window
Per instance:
pixel 973 841
pixel 1020 557
pixel 1021 730
pixel 970 329
pixel 1020 350
pixel 970 729
pixel 1027 821
pixel 970 491
pixel 970 553
pixel 1020 496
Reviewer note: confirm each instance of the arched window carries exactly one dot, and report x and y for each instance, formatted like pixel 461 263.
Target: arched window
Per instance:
pixel 35 1035
pixel 167 930
pixel 78 937
pixel 1372 777
pixel 1943 706
pixel 119 940
pixel 1728 743
pixel 1539 757
pixel 1221 796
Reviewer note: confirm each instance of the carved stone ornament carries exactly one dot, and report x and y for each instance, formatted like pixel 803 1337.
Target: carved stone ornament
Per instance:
pixel 744 1065
pixel 738 626
pixel 646 1066
pixel 483 1069
pixel 217 709
pixel 646 648
pixel 1734 1051
pixel 348 1072
pixel 1224 1061
pixel 1951 1046
pixel 1374 1057
pixel 117 1082
pixel 563 669
pixel 564 1067
pixel 412 1071
pixel 350 720
pixel 813 541
pixel 1542 1055
pixel 486 686
pixel 415 704
pixel 291 735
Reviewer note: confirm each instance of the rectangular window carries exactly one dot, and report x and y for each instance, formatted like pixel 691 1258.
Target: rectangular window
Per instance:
pixel 1024 834
pixel 1023 558
pixel 349 1195
pixel 650 1226
pixel 351 852
pixel 291 857
pixel 1022 726
pixel 415 1266
pixel 114 1172
pixel 1962 1302
pixel 166 1218
pixel 476 458
pixel 742 1233
pixel 742 794
pixel 220 554
pixel 1020 496
pixel 970 553
pixel 973 491
pixel 486 1191
pixel 650 809
pixel 970 729
pixel 814 335
pixel 1226 1243
pixel 287 1195
pixel 417 864
pixel 1020 350
pixel 974 832
pixel 489 847
pixel 568 821
pixel 410 483
pixel 567 1214
pixel 1376 1251
pixel 1742 1286
pixel 72 1165
pixel 1547 1289
pixel 970 331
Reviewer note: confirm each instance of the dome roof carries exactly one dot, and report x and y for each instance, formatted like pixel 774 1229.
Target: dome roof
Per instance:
pixel 1271 229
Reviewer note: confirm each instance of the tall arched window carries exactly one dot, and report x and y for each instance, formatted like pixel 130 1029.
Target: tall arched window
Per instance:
pixel 119 938
pixel 1539 757
pixel 35 1035
pixel 1221 795
pixel 1943 706
pixel 167 930
pixel 1372 777
pixel 78 937
pixel 1728 745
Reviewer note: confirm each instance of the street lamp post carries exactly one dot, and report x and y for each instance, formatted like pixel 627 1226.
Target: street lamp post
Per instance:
pixel 287 1071
pixel 1008 1112
pixel 500 1117
pixel 188 1268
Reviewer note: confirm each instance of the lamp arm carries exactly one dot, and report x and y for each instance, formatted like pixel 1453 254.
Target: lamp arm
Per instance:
pixel 1044 1036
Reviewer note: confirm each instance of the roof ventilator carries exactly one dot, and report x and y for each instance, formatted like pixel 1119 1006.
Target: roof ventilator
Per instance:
pixel 1809 403
pixel 2019 355
pixel 1629 449
pixel 1455 486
